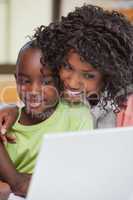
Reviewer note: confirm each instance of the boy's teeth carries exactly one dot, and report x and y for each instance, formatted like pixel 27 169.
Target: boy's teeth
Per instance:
pixel 34 105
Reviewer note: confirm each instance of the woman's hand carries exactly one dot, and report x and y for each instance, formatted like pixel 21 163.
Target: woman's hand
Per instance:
pixel 8 116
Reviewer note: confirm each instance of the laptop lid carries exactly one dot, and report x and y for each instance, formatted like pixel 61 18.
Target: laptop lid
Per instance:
pixel 96 165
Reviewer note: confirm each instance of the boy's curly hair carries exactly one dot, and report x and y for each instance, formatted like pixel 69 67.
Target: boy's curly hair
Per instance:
pixel 102 38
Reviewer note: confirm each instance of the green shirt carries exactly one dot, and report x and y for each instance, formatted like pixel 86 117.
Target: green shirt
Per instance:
pixel 29 138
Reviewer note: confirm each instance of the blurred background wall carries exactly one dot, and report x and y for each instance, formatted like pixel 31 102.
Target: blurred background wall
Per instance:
pixel 18 19
pixel 67 5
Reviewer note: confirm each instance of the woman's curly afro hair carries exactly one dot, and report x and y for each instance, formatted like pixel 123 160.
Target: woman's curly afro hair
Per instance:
pixel 102 38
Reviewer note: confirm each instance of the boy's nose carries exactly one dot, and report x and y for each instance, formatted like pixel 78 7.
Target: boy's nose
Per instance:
pixel 35 88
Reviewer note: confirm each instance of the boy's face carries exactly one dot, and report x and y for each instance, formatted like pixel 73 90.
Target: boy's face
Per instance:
pixel 80 79
pixel 36 90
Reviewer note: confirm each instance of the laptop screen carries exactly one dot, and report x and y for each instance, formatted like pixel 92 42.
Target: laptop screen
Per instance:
pixel 94 165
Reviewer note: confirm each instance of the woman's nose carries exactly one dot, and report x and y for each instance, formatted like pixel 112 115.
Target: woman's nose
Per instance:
pixel 75 82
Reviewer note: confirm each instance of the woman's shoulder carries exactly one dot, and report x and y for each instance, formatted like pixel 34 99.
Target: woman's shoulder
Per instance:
pixel 103 118
pixel 125 116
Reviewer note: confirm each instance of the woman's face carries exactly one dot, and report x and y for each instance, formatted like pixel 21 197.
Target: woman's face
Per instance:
pixel 79 79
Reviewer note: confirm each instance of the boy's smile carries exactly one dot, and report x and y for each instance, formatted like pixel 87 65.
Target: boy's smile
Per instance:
pixel 37 90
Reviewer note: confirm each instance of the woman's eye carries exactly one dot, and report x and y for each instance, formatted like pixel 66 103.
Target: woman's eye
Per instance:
pixel 88 76
pixel 47 81
pixel 68 66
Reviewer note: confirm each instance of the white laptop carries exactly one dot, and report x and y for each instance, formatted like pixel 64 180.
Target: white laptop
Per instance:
pixel 96 165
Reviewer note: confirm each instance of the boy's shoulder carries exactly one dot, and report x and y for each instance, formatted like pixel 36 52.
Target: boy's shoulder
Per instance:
pixel 74 107
pixel 79 115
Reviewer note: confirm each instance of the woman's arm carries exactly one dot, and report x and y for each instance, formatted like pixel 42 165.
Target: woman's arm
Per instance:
pixel 8 172
pixel 18 182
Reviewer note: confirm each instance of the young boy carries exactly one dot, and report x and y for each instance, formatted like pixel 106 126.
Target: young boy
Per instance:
pixel 43 112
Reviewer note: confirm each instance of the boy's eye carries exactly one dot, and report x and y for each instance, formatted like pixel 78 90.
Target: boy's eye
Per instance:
pixel 88 75
pixel 23 81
